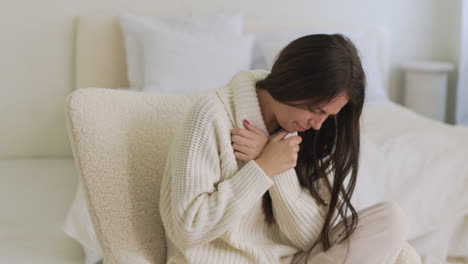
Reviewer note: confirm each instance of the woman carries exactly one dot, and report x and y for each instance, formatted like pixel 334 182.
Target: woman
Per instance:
pixel 257 172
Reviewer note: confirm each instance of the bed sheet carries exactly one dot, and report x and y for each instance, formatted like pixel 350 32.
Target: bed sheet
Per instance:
pixel 423 165
pixel 34 197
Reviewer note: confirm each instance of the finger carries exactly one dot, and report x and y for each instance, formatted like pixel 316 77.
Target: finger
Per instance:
pixel 297 148
pixel 279 136
pixel 240 140
pixel 299 139
pixel 295 139
pixel 251 127
pixel 241 156
pixel 243 149
pixel 243 133
pixel 248 140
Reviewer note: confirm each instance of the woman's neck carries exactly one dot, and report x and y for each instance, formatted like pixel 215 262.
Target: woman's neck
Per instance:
pixel 266 102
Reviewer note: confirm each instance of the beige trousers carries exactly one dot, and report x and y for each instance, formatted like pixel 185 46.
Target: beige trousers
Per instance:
pixel 379 238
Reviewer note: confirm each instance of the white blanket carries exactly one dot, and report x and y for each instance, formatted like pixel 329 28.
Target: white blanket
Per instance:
pixel 421 164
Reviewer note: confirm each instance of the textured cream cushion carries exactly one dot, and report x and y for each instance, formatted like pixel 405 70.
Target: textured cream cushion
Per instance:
pixel 119 140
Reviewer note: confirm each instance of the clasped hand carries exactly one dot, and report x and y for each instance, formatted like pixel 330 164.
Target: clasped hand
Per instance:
pixel 273 155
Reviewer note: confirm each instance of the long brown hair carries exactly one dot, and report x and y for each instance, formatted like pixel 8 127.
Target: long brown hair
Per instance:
pixel 317 68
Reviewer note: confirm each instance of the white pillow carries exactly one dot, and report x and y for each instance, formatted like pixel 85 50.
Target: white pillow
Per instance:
pixel 134 26
pixel 179 61
pixel 269 44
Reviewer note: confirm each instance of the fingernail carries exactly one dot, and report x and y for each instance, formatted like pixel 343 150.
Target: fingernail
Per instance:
pixel 245 120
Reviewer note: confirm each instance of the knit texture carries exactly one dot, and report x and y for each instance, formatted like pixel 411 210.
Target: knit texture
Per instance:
pixel 211 203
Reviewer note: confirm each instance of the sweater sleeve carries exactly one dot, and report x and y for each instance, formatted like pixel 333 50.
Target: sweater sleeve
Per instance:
pixel 196 205
pixel 298 215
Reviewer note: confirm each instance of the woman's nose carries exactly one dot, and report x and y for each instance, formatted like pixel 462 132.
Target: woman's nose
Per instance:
pixel 316 123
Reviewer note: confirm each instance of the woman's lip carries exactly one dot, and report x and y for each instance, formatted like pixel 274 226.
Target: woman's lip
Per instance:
pixel 302 129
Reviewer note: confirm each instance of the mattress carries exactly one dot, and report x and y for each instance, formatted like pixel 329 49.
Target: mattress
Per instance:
pixel 34 196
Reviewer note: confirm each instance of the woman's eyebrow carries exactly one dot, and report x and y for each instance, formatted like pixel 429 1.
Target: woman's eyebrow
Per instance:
pixel 323 111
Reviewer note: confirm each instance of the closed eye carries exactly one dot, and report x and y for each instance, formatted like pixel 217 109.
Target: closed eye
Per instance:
pixel 320 111
pixel 317 111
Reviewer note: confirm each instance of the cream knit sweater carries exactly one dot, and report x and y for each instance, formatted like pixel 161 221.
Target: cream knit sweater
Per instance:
pixel 211 203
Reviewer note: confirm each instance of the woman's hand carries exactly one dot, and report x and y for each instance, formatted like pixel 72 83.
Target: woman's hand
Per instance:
pixel 248 143
pixel 279 154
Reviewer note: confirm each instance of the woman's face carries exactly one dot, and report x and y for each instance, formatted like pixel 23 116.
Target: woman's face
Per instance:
pixel 302 118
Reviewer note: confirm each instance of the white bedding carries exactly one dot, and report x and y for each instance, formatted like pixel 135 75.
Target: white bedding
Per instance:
pixel 34 197
pixel 423 165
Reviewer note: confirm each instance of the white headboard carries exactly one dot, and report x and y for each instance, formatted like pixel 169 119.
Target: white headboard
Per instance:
pixel 100 52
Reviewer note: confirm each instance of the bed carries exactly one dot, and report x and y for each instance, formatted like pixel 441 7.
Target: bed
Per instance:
pixel 420 163
pixel 35 196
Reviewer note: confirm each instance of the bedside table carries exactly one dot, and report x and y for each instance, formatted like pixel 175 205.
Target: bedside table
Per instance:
pixel 426 87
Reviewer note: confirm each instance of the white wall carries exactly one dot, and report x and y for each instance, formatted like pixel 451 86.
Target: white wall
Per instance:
pixel 462 86
pixel 37 41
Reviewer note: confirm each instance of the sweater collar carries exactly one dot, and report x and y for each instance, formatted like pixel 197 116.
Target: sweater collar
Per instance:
pixel 245 99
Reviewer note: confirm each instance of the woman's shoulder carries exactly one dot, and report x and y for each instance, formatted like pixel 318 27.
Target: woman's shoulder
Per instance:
pixel 207 103
pixel 208 108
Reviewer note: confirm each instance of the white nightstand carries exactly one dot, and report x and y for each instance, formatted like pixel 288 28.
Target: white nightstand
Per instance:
pixel 426 87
